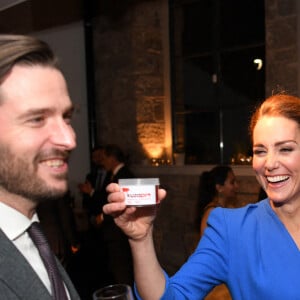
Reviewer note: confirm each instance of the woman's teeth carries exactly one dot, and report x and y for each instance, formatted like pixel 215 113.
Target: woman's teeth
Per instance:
pixel 275 179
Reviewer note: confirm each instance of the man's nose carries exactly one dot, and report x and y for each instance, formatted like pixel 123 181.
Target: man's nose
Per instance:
pixel 63 135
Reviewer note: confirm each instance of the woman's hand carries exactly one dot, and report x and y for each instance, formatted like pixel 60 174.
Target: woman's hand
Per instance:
pixel 136 222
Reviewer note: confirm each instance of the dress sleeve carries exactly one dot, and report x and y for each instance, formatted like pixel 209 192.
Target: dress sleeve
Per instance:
pixel 207 266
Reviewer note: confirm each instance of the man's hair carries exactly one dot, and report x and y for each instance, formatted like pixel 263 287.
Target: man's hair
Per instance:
pixel 115 151
pixel 24 50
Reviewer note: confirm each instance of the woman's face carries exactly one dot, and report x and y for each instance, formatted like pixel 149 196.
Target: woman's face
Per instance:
pixel 276 158
pixel 229 188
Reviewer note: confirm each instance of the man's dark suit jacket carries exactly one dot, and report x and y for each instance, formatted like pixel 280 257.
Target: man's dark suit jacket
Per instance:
pixel 58 224
pixel 91 203
pixel 123 172
pixel 118 254
pixel 18 281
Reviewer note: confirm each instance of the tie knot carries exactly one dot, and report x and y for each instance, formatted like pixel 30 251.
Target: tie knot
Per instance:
pixel 36 234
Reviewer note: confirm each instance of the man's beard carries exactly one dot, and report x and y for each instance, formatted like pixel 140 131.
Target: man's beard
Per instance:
pixel 19 176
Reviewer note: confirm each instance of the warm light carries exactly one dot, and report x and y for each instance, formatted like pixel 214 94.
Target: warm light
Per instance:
pixel 154 150
pixel 258 62
pixel 156 137
pixel 241 159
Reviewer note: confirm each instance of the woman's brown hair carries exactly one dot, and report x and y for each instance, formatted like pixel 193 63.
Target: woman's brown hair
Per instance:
pixel 284 105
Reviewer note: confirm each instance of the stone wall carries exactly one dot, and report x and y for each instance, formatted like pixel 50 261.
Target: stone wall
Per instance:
pixel 129 76
pixel 281 46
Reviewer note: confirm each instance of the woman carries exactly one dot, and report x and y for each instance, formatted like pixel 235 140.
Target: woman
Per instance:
pixel 217 188
pixel 253 249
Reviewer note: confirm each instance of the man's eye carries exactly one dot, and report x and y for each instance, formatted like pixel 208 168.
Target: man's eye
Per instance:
pixel 37 119
pixel 68 118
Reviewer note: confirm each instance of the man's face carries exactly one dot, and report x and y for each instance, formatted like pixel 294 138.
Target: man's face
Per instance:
pixel 97 157
pixel 108 162
pixel 36 136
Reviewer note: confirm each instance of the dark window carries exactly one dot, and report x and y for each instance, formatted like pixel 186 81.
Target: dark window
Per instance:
pixel 216 83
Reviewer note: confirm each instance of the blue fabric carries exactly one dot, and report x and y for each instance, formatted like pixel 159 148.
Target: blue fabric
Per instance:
pixel 247 248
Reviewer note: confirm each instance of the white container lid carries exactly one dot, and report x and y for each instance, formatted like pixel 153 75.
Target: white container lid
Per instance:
pixel 139 181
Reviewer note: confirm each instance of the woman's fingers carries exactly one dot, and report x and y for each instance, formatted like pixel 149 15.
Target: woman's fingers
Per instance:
pixel 114 207
pixel 113 187
pixel 116 199
pixel 161 194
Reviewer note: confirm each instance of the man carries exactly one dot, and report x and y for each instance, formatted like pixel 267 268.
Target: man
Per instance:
pixel 117 251
pixel 93 184
pixel 90 273
pixel 113 161
pixel 36 139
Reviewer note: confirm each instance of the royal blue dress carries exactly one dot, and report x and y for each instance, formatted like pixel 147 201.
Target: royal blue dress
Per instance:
pixel 247 248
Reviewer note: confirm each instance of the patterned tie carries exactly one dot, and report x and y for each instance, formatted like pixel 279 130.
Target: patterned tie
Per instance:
pixel 57 286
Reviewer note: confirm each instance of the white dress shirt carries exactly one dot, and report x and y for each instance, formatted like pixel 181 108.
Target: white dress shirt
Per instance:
pixel 14 225
pixel 117 168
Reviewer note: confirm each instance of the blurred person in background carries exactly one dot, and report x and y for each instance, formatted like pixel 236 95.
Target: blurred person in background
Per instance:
pixel 117 254
pixel 218 188
pixel 93 186
pixel 88 269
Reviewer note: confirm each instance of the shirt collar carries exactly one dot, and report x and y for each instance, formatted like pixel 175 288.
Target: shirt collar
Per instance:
pixel 13 223
pixel 117 168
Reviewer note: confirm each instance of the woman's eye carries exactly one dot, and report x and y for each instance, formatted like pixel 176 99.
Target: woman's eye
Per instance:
pixel 286 149
pixel 258 151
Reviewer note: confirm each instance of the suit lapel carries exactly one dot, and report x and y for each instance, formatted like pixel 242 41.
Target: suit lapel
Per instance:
pixel 17 273
pixel 72 291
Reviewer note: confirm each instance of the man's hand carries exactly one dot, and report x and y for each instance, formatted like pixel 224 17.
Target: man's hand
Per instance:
pixel 86 188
